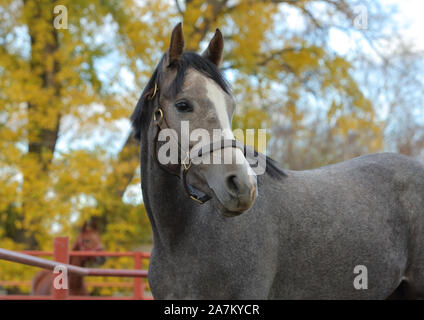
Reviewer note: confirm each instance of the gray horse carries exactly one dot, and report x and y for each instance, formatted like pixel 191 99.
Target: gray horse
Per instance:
pixel 281 235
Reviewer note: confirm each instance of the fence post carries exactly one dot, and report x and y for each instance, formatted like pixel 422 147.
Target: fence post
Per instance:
pixel 60 254
pixel 138 289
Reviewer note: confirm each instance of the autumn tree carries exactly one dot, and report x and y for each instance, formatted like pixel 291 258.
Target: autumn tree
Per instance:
pixel 49 82
pixel 61 87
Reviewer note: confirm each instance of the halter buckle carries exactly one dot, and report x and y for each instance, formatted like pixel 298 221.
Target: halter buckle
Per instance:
pixel 196 200
pixel 155 90
pixel 161 115
pixel 186 167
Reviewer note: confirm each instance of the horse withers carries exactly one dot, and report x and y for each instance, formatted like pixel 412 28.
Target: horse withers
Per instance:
pixel 87 240
pixel 220 232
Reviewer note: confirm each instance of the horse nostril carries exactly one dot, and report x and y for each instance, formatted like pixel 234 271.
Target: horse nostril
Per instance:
pixel 232 184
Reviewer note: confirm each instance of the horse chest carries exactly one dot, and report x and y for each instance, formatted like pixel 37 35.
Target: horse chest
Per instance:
pixel 205 276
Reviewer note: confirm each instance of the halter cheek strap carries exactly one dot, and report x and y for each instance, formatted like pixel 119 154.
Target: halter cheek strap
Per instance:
pixel 194 153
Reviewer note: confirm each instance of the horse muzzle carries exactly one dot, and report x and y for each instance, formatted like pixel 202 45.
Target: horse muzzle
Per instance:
pixel 237 195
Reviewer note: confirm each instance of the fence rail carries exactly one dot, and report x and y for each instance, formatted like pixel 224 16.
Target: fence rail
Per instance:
pixel 61 258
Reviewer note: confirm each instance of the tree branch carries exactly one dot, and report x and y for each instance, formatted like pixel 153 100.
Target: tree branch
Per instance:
pixel 180 10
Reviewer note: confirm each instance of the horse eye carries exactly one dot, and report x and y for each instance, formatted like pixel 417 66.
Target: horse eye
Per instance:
pixel 183 106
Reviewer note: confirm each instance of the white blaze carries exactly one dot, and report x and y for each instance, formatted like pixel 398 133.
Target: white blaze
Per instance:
pixel 216 95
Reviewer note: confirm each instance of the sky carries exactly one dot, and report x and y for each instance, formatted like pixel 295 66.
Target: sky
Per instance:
pixel 409 18
pixel 411 12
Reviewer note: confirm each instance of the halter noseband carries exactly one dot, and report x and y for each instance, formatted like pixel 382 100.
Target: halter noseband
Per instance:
pixel 194 153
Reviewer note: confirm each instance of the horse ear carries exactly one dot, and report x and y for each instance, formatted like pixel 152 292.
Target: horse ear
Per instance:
pixel 176 48
pixel 214 51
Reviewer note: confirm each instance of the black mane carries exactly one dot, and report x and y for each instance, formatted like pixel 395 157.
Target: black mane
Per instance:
pixel 144 108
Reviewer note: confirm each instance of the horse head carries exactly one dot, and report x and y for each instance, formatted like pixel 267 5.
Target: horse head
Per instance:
pixel 189 105
pixel 89 240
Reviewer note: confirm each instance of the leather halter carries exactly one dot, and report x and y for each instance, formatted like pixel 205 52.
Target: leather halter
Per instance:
pixel 190 155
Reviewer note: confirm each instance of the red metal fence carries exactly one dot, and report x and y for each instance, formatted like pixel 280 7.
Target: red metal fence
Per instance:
pixel 61 258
